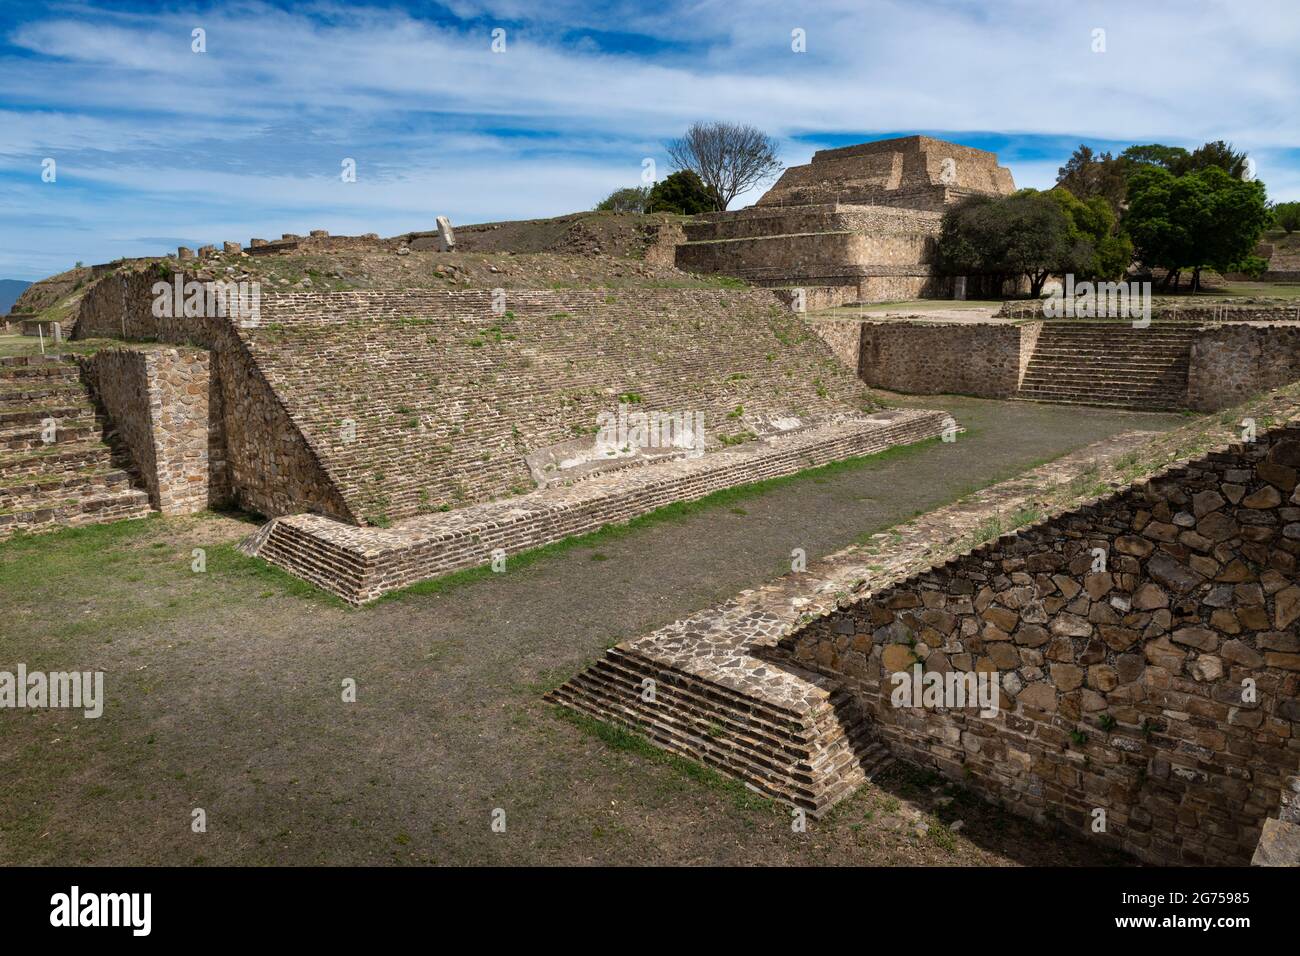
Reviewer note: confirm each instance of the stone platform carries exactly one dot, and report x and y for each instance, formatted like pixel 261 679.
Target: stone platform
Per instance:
pixel 863 220
pixel 359 564
pixel 727 691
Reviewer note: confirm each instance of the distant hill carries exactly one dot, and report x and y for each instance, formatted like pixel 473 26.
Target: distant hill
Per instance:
pixel 10 290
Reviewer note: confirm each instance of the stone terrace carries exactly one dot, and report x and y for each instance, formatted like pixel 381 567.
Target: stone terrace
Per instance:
pixel 360 564
pixel 726 663
pixel 447 397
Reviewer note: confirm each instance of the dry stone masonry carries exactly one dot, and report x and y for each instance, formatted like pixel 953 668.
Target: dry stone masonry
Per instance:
pixel 1158 686
pixel 862 218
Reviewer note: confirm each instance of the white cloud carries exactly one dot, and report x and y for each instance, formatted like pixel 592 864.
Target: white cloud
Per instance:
pixel 259 123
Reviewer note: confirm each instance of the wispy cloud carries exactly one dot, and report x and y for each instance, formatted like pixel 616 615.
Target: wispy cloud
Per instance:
pixel 153 140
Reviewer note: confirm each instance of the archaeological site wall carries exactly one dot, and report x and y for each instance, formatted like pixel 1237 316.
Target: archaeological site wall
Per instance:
pixel 161 403
pixel 985 360
pixel 270 465
pixel 446 397
pixel 372 407
pixel 1231 362
pixel 1159 686
pixel 1172 365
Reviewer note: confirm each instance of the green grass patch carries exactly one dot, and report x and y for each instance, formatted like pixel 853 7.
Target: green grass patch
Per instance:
pixel 677 511
pixel 626 740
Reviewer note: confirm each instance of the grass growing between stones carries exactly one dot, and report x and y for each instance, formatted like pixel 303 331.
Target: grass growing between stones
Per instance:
pixel 223 693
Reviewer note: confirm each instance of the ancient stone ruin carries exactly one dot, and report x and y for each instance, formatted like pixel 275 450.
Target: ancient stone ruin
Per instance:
pixel 862 220
pixel 399 432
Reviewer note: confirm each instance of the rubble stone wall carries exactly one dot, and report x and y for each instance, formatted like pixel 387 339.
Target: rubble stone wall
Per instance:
pixel 1147 647
pixel 926 358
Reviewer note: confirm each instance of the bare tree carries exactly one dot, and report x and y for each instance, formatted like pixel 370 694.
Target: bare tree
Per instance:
pixel 728 157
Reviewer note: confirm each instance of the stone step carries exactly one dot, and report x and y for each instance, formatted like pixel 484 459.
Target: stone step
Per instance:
pixel 52 515
pixel 809 760
pixel 69 414
pixel 1122 352
pixel 1101 380
pixel 11 362
pixel 1138 372
pixel 28 491
pixel 29 391
pixel 28 437
pixel 1122 402
pixel 54 458
pixel 1102 395
pixel 1137 356
pixel 625 685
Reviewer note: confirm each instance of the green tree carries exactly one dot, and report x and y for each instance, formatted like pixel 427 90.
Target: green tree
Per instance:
pixel 631 199
pixel 1087 174
pixel 1026 233
pixel 1154 154
pixel 1097 249
pixel 1204 218
pixel 682 193
pixel 1286 216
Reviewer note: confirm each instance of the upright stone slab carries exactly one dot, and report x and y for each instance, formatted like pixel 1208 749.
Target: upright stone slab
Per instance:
pixel 446 238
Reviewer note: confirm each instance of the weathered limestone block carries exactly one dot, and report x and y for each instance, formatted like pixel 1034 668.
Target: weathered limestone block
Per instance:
pixel 446 237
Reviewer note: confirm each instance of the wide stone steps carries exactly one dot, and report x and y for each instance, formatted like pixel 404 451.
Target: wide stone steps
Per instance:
pixel 72 480
pixel 808 760
pixel 1109 364
pixel 30 490
pixel 93 509
pixel 70 414
pixel 44 389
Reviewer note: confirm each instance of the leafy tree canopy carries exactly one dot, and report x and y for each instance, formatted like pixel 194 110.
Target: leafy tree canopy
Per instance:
pixel 682 192
pixel 630 199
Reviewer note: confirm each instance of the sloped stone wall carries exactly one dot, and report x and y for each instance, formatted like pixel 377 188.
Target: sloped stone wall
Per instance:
pixel 376 406
pixel 421 401
pixel 1160 689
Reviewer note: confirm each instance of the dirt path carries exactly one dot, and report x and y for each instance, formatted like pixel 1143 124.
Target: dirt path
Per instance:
pixel 224 693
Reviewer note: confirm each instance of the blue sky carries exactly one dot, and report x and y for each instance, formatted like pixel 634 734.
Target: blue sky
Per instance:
pixel 156 145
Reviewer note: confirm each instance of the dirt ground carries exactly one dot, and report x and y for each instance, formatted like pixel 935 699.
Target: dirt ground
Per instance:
pixel 225 693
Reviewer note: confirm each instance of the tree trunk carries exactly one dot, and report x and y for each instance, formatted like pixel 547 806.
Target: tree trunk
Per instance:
pixel 1196 280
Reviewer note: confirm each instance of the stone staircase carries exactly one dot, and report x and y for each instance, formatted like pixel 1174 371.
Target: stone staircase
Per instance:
pixel 810 757
pixel 1110 364
pixel 73 479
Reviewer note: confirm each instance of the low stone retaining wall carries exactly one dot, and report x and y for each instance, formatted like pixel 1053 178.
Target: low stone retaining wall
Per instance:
pixel 163 403
pixel 360 564
pixel 1147 651
pixel 1230 363
pixel 981 359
